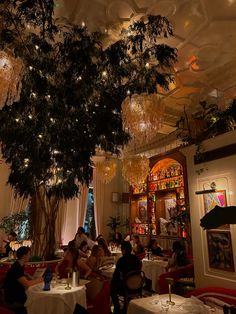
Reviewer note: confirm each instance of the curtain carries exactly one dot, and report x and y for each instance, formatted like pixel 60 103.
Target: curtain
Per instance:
pixel 17 203
pixel 82 204
pixel 98 192
pixel 60 222
pixel 74 213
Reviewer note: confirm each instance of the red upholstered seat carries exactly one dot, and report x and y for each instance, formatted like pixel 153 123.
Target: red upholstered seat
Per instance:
pixel 100 303
pixel 4 310
pixel 223 294
pixel 185 271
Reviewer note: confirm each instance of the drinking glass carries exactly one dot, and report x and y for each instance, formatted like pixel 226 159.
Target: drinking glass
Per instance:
pixel 164 306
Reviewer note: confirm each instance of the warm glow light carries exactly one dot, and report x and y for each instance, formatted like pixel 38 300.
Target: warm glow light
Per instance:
pixel 135 170
pixel 142 116
pixel 11 71
pixel 106 170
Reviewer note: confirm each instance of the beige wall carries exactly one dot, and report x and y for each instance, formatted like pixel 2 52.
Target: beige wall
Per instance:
pixel 115 209
pixel 223 173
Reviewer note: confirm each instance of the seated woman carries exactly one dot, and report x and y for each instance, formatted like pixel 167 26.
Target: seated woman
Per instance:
pixel 117 239
pixel 102 242
pixel 95 259
pixel 155 248
pixel 178 258
pixel 72 261
pixel 16 282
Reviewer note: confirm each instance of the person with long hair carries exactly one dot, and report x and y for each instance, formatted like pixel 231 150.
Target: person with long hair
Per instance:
pixel 102 242
pixel 178 258
pixel 72 261
pixel 95 259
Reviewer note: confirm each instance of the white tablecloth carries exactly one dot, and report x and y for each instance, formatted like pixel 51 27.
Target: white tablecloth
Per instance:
pixel 55 301
pixel 117 254
pixel 152 305
pixel 153 269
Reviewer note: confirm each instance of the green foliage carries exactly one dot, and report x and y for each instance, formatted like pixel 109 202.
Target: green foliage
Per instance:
pixel 213 121
pixel 72 93
pixel 113 223
pixel 19 223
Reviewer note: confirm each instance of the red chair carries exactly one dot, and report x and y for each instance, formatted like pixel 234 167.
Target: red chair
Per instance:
pixel 98 295
pixel 185 271
pixel 224 294
pixel 4 310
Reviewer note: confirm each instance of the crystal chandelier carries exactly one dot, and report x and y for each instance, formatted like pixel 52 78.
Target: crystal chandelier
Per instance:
pixel 106 170
pixel 11 72
pixel 135 170
pixel 142 116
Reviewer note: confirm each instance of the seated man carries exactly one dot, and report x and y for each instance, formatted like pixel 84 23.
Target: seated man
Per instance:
pixel 127 263
pixel 16 282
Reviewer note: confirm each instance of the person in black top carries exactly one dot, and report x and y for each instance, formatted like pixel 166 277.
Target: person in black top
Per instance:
pixel 127 263
pixel 155 248
pixel 11 237
pixel 16 281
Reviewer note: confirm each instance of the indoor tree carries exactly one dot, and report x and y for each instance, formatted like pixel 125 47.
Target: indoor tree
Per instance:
pixel 70 101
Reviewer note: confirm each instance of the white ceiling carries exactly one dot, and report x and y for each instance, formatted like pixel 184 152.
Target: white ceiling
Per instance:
pixel 204 33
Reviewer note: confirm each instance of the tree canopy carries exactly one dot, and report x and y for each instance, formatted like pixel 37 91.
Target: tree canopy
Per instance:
pixel 72 91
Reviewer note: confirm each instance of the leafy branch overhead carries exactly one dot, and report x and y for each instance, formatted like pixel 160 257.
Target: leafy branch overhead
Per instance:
pixel 209 122
pixel 72 91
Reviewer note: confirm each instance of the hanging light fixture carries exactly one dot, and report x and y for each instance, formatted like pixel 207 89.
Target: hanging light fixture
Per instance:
pixel 11 72
pixel 135 170
pixel 106 170
pixel 142 116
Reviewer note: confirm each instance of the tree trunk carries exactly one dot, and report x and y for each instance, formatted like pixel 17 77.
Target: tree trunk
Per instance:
pixel 44 214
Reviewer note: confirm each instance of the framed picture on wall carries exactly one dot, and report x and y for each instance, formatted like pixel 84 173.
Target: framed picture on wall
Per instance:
pixel 141 215
pixel 215 198
pixel 220 250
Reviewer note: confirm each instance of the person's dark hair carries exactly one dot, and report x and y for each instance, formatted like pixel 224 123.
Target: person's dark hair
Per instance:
pixel 81 229
pixel 75 255
pixel 98 237
pixel 103 243
pixel 71 244
pixel 23 250
pixel 126 246
pixel 181 255
pixel 177 246
pixel 117 238
pixel 12 233
pixel 82 245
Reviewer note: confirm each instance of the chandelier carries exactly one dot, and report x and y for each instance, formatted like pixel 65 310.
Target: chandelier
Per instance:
pixel 106 170
pixel 135 170
pixel 142 116
pixel 11 71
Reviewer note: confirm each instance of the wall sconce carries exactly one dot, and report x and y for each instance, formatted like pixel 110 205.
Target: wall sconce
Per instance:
pixel 114 197
pixel 212 189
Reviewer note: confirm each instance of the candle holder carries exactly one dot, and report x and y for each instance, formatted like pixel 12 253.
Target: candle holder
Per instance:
pixel 170 282
pixel 68 287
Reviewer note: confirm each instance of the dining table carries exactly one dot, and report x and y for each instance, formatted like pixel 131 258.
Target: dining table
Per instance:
pixel 57 300
pixel 158 304
pixel 153 268
pixel 116 253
